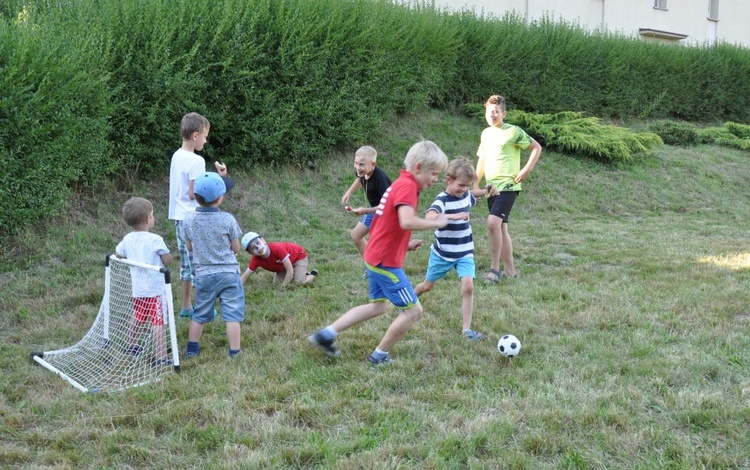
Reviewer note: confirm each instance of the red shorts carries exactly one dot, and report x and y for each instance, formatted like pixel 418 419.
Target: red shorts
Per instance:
pixel 148 309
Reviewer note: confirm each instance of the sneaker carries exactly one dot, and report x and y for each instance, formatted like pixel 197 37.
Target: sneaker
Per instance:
pixel 192 354
pixel 186 313
pixel 133 350
pixel 314 272
pixel 375 363
pixel 324 344
pixel 473 335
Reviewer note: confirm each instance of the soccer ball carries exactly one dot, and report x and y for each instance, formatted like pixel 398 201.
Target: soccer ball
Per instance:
pixel 509 346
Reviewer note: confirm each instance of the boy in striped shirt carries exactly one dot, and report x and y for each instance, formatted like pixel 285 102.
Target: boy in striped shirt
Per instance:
pixel 454 244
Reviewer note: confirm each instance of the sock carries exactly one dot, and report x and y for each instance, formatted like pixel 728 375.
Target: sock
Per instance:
pixel 234 352
pixel 378 354
pixel 328 333
pixel 193 348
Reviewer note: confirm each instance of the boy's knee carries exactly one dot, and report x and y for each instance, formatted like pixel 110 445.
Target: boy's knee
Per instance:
pixel 414 313
pixel 467 289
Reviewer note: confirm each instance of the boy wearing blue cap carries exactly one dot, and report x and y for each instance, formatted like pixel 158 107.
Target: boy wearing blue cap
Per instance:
pixel 213 238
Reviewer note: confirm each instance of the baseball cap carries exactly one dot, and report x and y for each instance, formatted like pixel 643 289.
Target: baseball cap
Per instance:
pixel 210 186
pixel 248 238
pixel 228 182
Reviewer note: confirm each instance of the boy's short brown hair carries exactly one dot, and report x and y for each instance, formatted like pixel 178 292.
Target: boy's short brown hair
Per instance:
pixel 136 210
pixel 192 123
pixel 495 100
pixel 461 167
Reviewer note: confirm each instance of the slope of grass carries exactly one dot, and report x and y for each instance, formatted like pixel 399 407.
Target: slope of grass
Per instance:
pixel 632 309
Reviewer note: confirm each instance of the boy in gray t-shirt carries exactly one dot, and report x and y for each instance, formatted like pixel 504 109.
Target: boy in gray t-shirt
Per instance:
pixel 213 236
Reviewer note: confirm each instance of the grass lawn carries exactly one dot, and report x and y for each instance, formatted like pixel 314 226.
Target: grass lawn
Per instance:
pixel 633 309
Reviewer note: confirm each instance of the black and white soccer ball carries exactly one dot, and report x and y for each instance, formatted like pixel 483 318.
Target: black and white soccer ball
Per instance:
pixel 509 346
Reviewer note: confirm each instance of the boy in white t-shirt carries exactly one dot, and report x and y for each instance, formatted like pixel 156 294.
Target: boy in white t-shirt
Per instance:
pixel 148 248
pixel 185 167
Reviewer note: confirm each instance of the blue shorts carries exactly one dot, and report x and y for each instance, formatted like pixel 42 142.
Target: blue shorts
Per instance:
pixel 391 284
pixel 187 271
pixel 366 219
pixel 223 286
pixel 501 205
pixel 438 267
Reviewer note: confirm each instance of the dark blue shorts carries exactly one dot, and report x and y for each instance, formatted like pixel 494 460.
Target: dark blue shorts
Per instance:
pixel 501 205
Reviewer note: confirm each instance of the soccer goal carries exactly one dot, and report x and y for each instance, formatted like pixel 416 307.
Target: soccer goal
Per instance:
pixel 133 340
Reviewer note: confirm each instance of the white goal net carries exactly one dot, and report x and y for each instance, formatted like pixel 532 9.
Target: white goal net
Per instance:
pixel 133 340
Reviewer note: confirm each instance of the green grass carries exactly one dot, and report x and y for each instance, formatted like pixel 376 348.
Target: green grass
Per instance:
pixel 633 310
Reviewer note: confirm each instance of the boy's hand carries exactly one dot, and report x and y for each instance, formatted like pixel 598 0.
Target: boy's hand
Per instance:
pixel 221 168
pixel 414 244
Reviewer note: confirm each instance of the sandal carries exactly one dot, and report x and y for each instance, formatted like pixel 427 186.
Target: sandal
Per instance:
pixel 492 276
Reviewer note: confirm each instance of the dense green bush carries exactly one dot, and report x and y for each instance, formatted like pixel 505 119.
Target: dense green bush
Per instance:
pixel 571 132
pixel 676 133
pixel 731 134
pixel 93 87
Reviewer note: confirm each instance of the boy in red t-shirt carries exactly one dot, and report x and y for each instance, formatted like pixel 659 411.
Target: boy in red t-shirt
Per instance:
pixel 287 260
pixel 395 218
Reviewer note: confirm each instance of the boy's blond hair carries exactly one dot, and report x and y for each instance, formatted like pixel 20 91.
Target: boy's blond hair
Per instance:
pixel 460 167
pixel 428 154
pixel 136 210
pixel 192 123
pixel 368 154
pixel 495 100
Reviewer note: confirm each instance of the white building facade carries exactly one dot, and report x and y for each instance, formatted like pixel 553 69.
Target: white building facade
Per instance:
pixel 690 22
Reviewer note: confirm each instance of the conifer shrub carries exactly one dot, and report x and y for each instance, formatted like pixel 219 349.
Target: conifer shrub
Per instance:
pixel 571 132
pixel 731 134
pixel 676 133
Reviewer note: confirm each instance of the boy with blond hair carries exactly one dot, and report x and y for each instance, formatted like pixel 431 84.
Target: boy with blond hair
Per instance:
pixel 213 237
pixel 186 165
pixel 454 244
pixel 500 164
pixel 374 181
pixel 149 248
pixel 395 218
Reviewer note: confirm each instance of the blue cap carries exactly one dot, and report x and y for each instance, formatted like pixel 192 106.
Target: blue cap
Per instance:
pixel 210 186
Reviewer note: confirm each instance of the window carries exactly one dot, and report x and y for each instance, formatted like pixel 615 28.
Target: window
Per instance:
pixel 713 10
pixel 660 4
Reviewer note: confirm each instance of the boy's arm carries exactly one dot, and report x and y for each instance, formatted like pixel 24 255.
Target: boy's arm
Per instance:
pixel 536 151
pixel 289 271
pixel 245 276
pixel 221 168
pixel 479 172
pixel 188 245
pixel 166 259
pixel 408 219
pixel 348 194
pixel 191 194
pixel 236 245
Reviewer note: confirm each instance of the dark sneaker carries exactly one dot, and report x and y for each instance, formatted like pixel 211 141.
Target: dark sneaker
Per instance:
pixel 473 335
pixel 375 363
pixel 133 350
pixel 326 345
pixel 314 272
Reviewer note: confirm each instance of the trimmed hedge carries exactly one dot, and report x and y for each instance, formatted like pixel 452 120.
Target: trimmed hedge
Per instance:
pixel 95 87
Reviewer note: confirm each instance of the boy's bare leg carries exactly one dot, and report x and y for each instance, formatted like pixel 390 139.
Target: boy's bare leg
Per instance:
pixel 495 240
pixel 358 237
pixel 467 302
pixel 400 326
pixel 423 287
pixel 358 315
pixel 233 335
pixel 195 331
pixel 187 291
pixel 506 252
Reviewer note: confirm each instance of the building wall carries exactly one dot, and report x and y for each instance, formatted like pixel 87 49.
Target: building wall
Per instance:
pixel 687 18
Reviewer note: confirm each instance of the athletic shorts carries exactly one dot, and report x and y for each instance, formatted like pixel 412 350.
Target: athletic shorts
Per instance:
pixel 187 270
pixel 501 205
pixel 148 309
pixel 438 268
pixel 390 284
pixel 366 219
pixel 223 286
